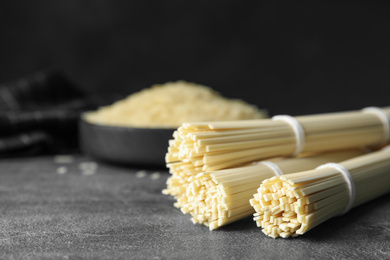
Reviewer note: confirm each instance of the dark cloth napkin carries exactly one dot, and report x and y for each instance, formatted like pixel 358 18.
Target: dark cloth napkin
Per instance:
pixel 39 114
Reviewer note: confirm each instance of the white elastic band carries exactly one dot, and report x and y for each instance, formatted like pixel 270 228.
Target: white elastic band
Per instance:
pixel 348 179
pixel 273 167
pixel 298 131
pixel 384 117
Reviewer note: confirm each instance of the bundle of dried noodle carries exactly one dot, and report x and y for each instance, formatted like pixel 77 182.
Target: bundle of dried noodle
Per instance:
pixel 293 204
pixel 221 197
pixel 205 147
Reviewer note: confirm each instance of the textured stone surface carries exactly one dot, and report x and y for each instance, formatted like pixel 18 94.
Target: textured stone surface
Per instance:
pixel 115 213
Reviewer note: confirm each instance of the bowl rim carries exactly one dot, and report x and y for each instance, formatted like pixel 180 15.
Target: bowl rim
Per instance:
pixel 83 120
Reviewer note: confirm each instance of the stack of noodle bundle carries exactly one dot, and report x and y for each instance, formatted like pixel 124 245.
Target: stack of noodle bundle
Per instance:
pixel 205 147
pixel 293 204
pixel 220 197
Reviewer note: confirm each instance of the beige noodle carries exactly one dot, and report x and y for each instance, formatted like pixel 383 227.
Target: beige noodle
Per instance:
pixel 293 204
pixel 220 197
pixel 205 147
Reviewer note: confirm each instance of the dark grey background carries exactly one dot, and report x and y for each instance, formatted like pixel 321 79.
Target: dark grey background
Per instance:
pixel 296 57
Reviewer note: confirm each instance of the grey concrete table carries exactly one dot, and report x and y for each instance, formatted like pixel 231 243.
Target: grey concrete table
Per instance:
pixel 66 210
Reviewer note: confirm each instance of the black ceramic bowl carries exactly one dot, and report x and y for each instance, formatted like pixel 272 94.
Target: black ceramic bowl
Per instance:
pixel 125 145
